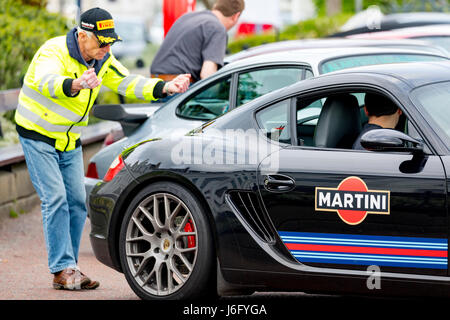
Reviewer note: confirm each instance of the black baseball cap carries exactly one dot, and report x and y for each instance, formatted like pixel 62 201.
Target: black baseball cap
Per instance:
pixel 101 23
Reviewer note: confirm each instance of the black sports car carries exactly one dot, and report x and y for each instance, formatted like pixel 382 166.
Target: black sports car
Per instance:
pixel 271 196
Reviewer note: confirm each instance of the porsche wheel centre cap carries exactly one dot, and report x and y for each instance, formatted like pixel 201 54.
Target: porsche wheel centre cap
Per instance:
pixel 166 244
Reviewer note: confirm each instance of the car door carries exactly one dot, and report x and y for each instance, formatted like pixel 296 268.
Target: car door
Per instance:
pixel 348 209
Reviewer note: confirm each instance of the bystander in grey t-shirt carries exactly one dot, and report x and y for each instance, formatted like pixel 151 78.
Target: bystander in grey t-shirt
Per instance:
pixel 192 39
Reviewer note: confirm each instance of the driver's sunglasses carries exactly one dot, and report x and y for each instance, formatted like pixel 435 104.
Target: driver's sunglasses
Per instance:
pixel 103 44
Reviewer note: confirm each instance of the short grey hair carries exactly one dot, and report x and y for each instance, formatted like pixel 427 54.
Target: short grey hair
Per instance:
pixel 88 33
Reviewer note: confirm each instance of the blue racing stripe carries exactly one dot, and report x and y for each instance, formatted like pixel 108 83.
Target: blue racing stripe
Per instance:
pixel 361 237
pixel 381 259
pixel 349 261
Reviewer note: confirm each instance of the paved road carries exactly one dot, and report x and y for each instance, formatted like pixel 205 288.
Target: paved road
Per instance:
pixel 24 272
pixel 25 276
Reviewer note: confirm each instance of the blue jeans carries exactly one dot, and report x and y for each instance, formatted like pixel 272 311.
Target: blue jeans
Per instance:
pixel 58 179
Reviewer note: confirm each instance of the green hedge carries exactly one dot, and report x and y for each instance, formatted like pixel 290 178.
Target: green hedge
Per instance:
pixel 23 29
pixel 349 5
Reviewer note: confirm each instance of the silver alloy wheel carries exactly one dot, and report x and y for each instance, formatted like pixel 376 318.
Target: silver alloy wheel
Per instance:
pixel 161 244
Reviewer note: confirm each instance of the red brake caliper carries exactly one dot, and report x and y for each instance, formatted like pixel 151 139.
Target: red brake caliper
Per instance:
pixel 191 239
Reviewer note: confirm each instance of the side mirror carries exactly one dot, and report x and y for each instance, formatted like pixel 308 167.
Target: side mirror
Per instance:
pixel 390 140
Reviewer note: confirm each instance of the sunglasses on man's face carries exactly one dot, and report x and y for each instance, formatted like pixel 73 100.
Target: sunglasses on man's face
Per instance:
pixel 102 44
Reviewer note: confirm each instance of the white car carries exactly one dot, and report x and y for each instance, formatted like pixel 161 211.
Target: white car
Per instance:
pixel 437 35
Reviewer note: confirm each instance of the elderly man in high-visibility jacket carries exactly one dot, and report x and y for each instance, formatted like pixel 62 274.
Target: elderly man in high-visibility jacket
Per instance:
pixel 60 87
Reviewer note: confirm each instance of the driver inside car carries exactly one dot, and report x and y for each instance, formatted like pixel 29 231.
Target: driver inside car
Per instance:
pixel 382 114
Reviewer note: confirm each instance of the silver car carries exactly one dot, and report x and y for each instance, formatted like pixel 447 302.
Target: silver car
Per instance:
pixel 230 87
pixel 408 44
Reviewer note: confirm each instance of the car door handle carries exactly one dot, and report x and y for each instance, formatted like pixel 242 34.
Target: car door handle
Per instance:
pixel 279 183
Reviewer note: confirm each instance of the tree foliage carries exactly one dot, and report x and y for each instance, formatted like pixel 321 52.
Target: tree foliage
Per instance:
pixel 23 29
pixel 35 3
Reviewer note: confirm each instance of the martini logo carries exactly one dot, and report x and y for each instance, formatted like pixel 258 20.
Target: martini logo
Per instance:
pixel 352 200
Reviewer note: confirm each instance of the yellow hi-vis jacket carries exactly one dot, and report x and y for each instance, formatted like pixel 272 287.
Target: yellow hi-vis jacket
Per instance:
pixel 47 108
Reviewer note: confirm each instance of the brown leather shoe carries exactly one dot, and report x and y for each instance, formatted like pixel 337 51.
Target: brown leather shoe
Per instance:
pixel 70 279
pixel 91 285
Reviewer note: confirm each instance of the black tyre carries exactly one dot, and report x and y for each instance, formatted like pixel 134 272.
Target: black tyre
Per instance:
pixel 166 247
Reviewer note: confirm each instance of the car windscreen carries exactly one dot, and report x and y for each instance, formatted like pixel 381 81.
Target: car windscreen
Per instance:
pixel 372 59
pixel 434 100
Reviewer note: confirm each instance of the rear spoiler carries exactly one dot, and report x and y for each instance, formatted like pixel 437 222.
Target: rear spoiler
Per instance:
pixel 130 116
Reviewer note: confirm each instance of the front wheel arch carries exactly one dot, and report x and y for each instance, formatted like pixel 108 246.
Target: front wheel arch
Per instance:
pixel 119 212
pixel 201 278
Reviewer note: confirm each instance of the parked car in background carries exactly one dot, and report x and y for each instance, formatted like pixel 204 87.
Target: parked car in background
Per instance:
pixel 232 86
pixel 437 35
pixel 396 21
pixel 333 43
pixel 156 31
pixel 308 213
pixel 135 38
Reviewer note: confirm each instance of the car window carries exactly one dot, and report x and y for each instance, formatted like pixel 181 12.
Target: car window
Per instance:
pixel 338 124
pixel 308 74
pixel 411 131
pixel 274 121
pixel 259 82
pixel 208 103
pixel 372 59
pixel 434 99
pixel 307 115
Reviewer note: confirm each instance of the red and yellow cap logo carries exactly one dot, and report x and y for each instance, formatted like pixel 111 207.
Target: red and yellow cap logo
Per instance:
pixel 105 24
pixel 352 200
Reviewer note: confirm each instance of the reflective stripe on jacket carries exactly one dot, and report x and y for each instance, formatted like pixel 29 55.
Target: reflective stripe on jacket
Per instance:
pixel 46 105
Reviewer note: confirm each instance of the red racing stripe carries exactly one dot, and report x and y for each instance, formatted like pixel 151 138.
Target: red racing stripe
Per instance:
pixel 369 250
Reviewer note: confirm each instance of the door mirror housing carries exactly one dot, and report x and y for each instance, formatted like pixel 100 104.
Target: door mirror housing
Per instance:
pixel 390 140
